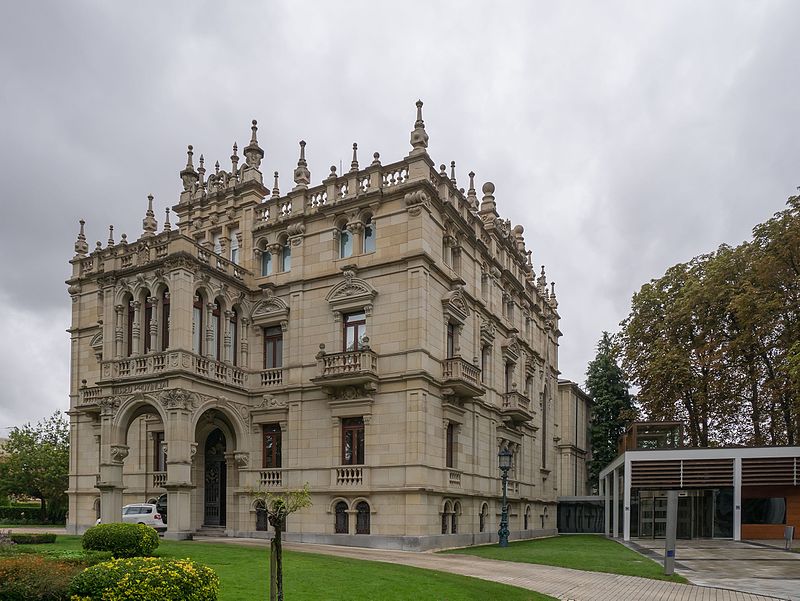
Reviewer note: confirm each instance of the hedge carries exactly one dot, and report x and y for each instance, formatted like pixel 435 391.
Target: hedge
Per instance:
pixel 37 538
pixel 146 579
pixel 28 577
pixel 20 513
pixel 123 540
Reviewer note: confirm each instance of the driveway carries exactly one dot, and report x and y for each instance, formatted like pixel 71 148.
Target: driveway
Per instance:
pixel 763 568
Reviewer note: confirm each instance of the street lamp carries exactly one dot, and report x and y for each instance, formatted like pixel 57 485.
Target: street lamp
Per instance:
pixel 504 458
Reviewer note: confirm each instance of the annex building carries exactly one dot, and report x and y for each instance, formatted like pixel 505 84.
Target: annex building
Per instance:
pixel 380 335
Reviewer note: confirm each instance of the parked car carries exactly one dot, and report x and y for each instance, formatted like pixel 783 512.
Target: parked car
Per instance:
pixel 161 505
pixel 143 513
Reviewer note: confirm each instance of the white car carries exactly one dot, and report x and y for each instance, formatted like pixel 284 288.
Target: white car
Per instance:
pixel 143 513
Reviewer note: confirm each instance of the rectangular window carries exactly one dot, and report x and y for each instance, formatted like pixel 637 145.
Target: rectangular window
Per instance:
pixel 266 263
pixel 216 240
pixel 234 235
pixel 159 456
pixel 273 347
pixel 450 446
pixel 764 511
pixel 355 329
pixel 197 326
pixel 272 446
pixel 353 441
pixel 509 376
pixel 486 353
pixel 451 341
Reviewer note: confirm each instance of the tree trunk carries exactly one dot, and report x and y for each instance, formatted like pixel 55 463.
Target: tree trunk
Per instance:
pixel 43 510
pixel 273 572
pixel 278 562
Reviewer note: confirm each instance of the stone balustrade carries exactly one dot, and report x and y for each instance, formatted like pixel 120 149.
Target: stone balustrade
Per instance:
pixel 349 475
pixel 271 478
pixel 517 407
pixel 348 364
pixel 463 377
pixel 272 377
pixel 159 479
pixel 454 479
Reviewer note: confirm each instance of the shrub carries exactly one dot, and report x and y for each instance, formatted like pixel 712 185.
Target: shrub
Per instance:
pixel 146 579
pixel 36 538
pixel 28 577
pixel 123 540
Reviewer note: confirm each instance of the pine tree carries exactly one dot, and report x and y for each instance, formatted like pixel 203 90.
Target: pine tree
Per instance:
pixel 613 406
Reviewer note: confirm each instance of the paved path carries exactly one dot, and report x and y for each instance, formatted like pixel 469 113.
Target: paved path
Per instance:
pixel 562 583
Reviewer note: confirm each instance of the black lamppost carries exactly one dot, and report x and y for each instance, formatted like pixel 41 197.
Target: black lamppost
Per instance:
pixel 504 457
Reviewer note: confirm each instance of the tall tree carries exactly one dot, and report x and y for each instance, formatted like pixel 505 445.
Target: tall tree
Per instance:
pixel 613 406
pixel 37 465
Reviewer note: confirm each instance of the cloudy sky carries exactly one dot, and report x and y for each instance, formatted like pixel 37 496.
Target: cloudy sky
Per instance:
pixel 625 137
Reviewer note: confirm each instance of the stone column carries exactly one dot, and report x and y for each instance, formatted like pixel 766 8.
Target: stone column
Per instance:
pixel 109 480
pixel 210 341
pixel 119 333
pixel 136 328
pixel 180 452
pixel 155 343
pixel 244 344
pixel 227 357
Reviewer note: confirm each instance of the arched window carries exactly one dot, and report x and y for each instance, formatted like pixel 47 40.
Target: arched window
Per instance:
pixel 234 333
pixel 446 516
pixel 345 242
pixel 216 327
pixel 286 256
pixel 482 517
pixel 197 324
pixel 148 320
pixel 129 328
pixel 362 517
pixel 454 518
pixel 165 319
pixel 369 235
pixel 266 263
pixel 340 524
pixel 527 517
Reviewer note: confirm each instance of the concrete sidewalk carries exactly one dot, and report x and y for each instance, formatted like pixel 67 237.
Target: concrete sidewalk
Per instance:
pixel 562 583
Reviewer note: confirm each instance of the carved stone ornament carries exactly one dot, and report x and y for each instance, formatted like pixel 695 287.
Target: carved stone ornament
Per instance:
pixel 351 290
pixel 119 452
pixel 415 201
pixel 177 398
pixel 109 405
pixel 272 402
pixel 270 308
pixel 352 393
pixel 241 458
pixel 455 304
pixel 487 331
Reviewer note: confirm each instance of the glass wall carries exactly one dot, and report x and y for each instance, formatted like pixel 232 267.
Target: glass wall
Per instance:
pixel 702 513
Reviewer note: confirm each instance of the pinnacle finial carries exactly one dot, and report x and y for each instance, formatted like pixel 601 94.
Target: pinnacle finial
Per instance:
pixel 201 171
pixel 167 225
pixel 189 154
pixel 376 159
pixel 188 175
pixel 302 176
pixel 234 159
pixel 472 182
pixel 276 193
pixel 216 168
pixel 453 172
pixel 110 241
pixel 149 224
pixel 253 152
pixel 488 204
pixel 354 162
pixel 81 247
pixel 419 137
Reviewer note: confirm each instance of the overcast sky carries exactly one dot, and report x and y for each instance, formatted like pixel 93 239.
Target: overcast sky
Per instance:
pixel 625 137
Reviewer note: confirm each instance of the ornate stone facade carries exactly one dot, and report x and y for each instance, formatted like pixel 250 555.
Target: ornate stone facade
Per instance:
pixel 379 336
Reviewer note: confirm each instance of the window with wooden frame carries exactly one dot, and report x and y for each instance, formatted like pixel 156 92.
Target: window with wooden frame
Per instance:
pixel 450 444
pixel 271 457
pixel 451 340
pixel 273 347
pixel 345 242
pixel 216 327
pixel 286 256
pixel 355 329
pixel 233 328
pixel 148 319
pixel 266 263
pixel 165 319
pixel 197 324
pixel 353 441
pixel 369 235
pixel 159 453
pixel 234 236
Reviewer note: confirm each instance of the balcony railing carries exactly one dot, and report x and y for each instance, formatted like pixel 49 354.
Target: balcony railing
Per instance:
pixel 454 479
pixel 462 376
pixel 350 367
pixel 272 377
pixel 349 476
pixel 517 406
pixel 271 478
pixel 159 479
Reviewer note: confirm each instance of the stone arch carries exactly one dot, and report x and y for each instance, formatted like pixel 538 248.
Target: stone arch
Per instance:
pixel 130 409
pixel 226 419
pixel 335 501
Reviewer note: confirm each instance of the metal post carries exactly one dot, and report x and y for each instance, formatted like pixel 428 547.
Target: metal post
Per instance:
pixel 503 532
pixel 672 531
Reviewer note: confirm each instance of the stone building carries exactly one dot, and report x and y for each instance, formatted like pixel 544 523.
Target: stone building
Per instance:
pixel 379 336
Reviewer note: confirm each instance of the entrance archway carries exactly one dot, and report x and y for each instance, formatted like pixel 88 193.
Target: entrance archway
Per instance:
pixel 215 479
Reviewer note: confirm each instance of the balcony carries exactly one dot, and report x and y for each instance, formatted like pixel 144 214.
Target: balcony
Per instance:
pixel 155 364
pixel 348 475
pixel 159 479
pixel 516 407
pixel 463 377
pixel 346 369
pixel 272 377
pixel 271 478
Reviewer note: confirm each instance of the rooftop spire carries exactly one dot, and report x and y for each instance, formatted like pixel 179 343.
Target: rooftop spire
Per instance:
pixel 471 194
pixel 110 240
pixel 354 162
pixel 276 193
pixel 167 226
pixel 149 224
pixel 201 171
pixel 302 176
pixel 81 246
pixel 419 137
pixel 453 172
pixel 234 159
pixel 188 174
pixel 542 282
pixel 253 152
pixel 553 300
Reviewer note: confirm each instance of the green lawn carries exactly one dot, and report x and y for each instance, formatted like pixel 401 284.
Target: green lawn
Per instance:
pixel 243 576
pixel 579 551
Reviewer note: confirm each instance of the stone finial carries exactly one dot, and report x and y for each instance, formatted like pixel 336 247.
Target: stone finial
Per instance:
pixel 253 152
pixel 234 159
pixel 201 171
pixel 110 241
pixel 488 204
pixel 302 176
pixel 419 137
pixel 553 300
pixel 472 197
pixel 376 159
pixel 216 168
pixel 124 239
pixel 188 174
pixel 443 171
pixel 149 224
pixel 167 225
pixel 276 193
pixel 332 174
pixel 542 282
pixel 98 246
pixel 453 172
pixel 81 246
pixel 354 162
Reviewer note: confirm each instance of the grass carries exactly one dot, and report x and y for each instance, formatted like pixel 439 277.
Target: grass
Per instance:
pixel 579 551
pixel 243 575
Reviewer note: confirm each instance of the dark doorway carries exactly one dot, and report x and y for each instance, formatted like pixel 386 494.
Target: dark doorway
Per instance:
pixel 215 479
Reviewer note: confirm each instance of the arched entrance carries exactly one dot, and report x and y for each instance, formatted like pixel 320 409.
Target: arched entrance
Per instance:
pixel 215 479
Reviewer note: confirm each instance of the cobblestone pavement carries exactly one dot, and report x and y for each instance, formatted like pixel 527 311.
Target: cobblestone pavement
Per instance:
pixel 562 583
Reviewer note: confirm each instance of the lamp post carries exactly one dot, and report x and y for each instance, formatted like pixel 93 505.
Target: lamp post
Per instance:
pixel 504 458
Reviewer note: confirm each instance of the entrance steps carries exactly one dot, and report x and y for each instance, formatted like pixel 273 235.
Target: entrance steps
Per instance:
pixel 211 531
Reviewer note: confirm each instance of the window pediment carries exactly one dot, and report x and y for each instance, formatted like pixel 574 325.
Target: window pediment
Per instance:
pixel 455 305
pixel 270 310
pixel 351 292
